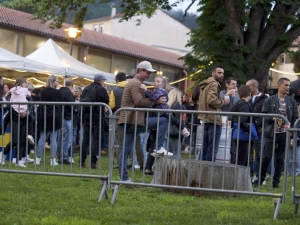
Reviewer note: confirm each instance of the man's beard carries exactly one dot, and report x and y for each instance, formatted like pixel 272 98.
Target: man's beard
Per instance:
pixel 219 79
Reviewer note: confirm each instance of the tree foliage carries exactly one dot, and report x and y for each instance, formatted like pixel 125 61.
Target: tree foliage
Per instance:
pixel 245 36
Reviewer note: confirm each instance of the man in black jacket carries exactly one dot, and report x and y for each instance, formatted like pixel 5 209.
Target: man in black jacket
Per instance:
pixel 256 102
pixel 65 133
pixel 286 106
pixel 97 93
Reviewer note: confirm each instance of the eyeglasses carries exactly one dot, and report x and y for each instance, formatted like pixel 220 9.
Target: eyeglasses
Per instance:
pixel 148 72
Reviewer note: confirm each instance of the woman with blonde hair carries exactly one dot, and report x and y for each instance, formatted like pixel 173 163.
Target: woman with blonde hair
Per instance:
pixel 53 119
pixel 173 142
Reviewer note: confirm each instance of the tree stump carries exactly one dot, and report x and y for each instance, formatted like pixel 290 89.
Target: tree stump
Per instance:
pixel 170 171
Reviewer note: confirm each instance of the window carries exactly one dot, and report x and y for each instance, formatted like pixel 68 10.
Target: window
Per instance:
pixel 101 28
pixel 282 59
pixel 99 60
pixel 8 40
pixel 123 64
pixel 95 27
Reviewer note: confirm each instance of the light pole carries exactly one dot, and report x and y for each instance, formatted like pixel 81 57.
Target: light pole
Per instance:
pixel 72 34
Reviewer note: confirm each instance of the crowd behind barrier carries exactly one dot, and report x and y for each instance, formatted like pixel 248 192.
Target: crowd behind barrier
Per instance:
pixel 188 172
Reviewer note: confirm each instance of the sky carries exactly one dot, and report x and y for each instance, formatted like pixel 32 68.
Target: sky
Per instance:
pixel 185 4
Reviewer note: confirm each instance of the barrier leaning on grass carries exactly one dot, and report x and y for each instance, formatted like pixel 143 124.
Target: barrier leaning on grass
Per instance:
pixel 188 174
pixel 70 170
pixel 191 174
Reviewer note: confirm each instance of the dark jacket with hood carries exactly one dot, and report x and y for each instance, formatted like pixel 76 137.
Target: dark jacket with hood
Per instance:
pixel 67 97
pixel 256 107
pixel 242 106
pixel 99 95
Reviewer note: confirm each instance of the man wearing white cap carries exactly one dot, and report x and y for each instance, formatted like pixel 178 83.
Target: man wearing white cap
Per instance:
pixel 93 93
pixel 134 97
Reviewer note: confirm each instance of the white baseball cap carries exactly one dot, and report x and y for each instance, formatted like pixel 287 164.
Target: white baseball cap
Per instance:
pixel 147 66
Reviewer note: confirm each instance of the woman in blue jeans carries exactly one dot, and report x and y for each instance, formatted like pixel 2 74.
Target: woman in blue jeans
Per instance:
pixel 49 118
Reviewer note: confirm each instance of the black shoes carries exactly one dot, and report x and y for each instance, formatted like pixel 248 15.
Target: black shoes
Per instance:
pixel 275 185
pixel 66 162
pixel 150 173
pixel 255 183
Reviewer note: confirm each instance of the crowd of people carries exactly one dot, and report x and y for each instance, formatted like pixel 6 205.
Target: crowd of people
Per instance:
pixel 143 136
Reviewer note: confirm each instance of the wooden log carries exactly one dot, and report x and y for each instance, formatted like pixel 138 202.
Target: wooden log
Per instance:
pixel 170 171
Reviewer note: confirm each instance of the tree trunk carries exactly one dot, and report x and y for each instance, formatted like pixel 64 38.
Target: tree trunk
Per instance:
pixel 170 171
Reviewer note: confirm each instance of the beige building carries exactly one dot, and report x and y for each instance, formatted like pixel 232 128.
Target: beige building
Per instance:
pixel 284 66
pixel 21 35
pixel 160 31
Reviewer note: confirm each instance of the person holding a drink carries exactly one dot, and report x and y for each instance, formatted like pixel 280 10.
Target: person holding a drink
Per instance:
pixel 286 106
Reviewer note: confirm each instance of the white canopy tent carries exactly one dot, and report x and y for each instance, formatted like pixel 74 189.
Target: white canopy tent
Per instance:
pixel 11 61
pixel 50 53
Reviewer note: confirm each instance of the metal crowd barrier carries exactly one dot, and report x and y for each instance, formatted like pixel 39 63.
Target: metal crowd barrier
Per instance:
pixel 101 170
pixel 184 173
pixel 190 173
pixel 293 158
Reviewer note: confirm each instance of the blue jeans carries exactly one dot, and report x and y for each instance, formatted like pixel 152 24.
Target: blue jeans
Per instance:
pixel 174 146
pixel 210 148
pixel 64 136
pixel 127 145
pixel 73 146
pixel 297 161
pixel 144 138
pixel 53 145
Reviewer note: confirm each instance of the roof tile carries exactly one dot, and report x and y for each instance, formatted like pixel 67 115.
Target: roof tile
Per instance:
pixel 21 20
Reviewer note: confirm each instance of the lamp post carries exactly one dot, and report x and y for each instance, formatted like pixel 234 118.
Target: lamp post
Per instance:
pixel 72 34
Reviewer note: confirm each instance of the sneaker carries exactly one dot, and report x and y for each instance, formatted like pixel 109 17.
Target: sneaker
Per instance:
pixel 126 181
pixel 47 145
pixel 150 173
pixel 71 160
pixel 66 162
pixel 185 151
pixel 27 159
pixel 53 162
pixel 2 158
pixel 14 160
pixel 264 183
pixel 94 166
pixel 136 166
pixel 30 139
pixel 268 177
pixel 37 161
pixel 20 164
pixel 32 151
pixel 275 185
pixel 162 152
pixel 255 183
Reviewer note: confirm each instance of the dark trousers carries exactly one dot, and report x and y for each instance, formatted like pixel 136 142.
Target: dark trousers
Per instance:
pixel 242 154
pixel 150 158
pixel 279 157
pixel 94 141
pixel 18 135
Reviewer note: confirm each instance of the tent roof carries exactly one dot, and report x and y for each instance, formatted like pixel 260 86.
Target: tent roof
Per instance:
pixel 11 61
pixel 52 54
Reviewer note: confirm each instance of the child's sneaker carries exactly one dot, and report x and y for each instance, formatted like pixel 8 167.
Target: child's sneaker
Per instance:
pixel 30 139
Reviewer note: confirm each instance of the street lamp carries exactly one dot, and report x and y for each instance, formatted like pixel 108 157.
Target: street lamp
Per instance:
pixel 72 34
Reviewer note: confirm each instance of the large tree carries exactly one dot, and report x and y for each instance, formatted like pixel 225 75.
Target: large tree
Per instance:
pixel 246 36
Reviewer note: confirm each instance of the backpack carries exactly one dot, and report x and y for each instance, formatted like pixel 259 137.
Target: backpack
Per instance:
pixel 89 97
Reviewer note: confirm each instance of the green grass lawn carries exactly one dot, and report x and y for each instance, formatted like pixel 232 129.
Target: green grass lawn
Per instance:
pixel 39 199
